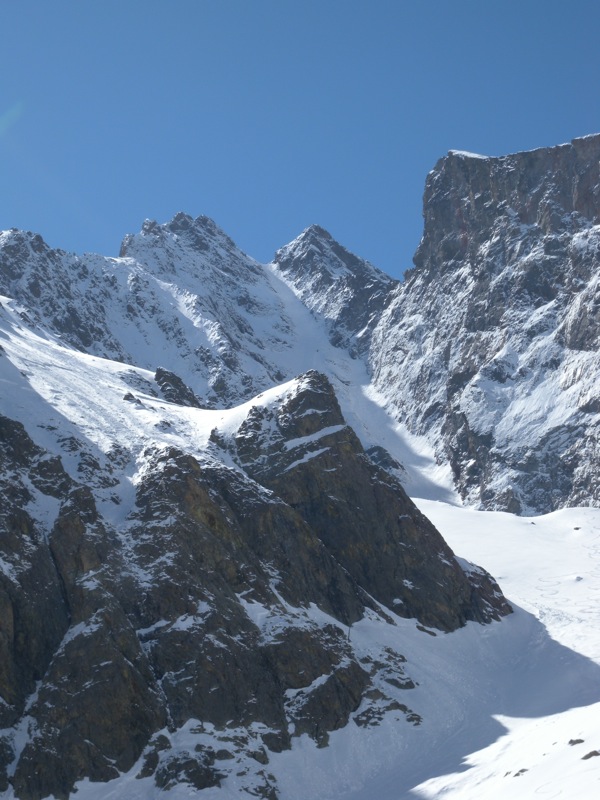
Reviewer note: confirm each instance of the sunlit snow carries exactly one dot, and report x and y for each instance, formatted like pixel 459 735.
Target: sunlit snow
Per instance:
pixel 508 710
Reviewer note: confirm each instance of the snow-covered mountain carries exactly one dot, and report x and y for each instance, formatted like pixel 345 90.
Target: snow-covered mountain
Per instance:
pixel 490 346
pixel 347 292
pixel 211 572
pixel 174 557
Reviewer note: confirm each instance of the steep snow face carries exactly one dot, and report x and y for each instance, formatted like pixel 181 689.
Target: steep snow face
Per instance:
pixel 180 295
pixel 490 347
pixel 336 285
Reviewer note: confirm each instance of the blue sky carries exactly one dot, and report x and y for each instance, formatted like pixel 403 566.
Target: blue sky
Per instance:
pixel 270 115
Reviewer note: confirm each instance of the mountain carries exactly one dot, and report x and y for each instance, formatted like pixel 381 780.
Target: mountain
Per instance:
pixel 347 292
pixel 211 566
pixel 191 528
pixel 485 354
pixel 489 348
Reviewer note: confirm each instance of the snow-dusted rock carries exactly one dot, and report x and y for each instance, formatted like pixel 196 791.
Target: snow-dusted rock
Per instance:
pixel 181 296
pixel 337 286
pixel 489 347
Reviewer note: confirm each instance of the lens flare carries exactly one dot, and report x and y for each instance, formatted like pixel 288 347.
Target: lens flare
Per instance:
pixel 10 117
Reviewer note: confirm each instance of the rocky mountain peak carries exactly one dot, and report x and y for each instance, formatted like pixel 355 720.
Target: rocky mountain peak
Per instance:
pixel 489 346
pixel 15 242
pixel 168 246
pixel 347 291
pixel 316 252
pixel 314 233
pixel 468 198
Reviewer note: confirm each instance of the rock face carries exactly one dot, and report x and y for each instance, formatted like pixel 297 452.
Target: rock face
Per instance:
pixel 303 450
pixel 347 292
pixel 490 347
pixel 194 602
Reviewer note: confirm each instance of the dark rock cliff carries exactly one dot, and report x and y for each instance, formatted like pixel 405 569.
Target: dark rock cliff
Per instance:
pixel 303 450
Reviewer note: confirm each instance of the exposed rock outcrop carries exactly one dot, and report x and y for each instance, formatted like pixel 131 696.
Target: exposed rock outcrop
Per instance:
pixel 337 286
pixel 302 449
pixel 489 348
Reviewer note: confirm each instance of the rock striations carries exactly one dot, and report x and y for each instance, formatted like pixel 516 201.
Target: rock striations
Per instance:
pixel 490 346
pixel 344 290
pixel 200 501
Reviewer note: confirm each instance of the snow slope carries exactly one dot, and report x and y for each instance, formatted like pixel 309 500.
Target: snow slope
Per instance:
pixel 550 567
pixel 508 699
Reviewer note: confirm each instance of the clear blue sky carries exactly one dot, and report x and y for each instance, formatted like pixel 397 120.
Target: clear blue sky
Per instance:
pixel 270 115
